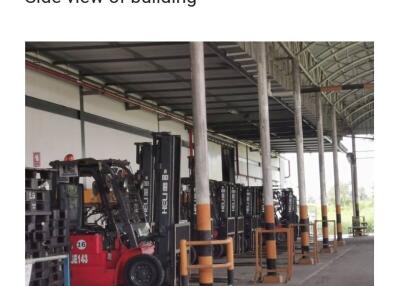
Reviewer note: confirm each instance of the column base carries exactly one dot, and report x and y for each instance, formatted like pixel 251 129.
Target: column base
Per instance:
pixel 327 250
pixel 274 279
pixel 306 260
pixel 340 242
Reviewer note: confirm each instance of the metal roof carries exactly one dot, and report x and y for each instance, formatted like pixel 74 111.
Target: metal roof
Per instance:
pixel 158 73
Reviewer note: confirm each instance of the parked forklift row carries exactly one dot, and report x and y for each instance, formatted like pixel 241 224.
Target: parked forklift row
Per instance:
pixel 126 228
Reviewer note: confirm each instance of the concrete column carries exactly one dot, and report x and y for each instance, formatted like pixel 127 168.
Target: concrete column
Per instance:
pixel 300 162
pixel 264 89
pixel 353 142
pixel 322 185
pixel 350 159
pixel 202 193
pixel 339 228
pixel 356 209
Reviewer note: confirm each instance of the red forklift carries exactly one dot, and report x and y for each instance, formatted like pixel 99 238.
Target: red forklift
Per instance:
pixel 112 242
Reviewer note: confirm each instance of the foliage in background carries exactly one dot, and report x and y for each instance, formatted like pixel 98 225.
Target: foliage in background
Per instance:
pixel 366 204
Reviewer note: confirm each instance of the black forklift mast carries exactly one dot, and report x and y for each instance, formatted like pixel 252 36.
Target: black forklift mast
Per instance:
pixel 144 158
pixel 105 177
pixel 166 210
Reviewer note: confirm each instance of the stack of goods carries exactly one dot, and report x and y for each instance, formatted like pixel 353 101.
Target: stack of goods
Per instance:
pixel 46 227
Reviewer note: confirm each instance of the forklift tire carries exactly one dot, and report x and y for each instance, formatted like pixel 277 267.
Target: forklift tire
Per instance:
pixel 144 270
pixel 193 255
pixel 218 251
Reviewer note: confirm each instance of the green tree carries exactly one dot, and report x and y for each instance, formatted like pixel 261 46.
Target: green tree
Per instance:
pixel 345 195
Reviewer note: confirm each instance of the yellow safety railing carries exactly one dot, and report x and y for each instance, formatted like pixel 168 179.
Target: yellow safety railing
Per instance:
pixel 359 226
pixel 331 225
pixel 298 252
pixel 287 270
pixel 185 265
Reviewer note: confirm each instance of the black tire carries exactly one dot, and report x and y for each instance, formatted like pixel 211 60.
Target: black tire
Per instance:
pixel 193 255
pixel 218 251
pixel 143 270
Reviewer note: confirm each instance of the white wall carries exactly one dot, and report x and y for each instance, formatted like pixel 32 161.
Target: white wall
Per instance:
pixel 55 135
pixel 254 167
pixel 214 161
pixel 52 135
pixel 105 143
pixel 47 88
pixel 111 109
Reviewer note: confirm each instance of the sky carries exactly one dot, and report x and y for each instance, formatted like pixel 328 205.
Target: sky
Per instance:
pixel 365 154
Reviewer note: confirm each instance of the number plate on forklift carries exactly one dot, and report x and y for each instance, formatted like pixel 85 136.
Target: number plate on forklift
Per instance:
pixel 79 259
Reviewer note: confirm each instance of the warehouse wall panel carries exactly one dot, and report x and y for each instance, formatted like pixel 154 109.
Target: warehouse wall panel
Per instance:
pixel 52 135
pixel 214 161
pixel 111 109
pixel 105 143
pixel 41 86
pixel 57 135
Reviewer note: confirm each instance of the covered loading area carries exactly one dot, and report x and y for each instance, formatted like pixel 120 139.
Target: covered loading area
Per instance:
pixel 98 99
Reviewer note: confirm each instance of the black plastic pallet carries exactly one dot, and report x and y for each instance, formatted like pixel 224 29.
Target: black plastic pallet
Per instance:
pixel 40 226
pixel 36 254
pixel 38 218
pixel 40 265
pixel 59 241
pixel 39 236
pixel 56 232
pixel 40 282
pixel 35 205
pixel 40 274
pixel 59 223
pixel 59 214
pixel 56 276
pixel 35 246
pixel 39 173
pixel 37 213
pixel 58 250
pixel 37 195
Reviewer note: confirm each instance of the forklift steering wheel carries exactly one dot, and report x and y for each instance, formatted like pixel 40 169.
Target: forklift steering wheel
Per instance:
pixel 144 270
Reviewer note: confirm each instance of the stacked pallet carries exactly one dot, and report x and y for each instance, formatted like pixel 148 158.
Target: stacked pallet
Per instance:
pixel 46 227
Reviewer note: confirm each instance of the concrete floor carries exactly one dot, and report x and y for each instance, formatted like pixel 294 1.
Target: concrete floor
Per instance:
pixel 351 265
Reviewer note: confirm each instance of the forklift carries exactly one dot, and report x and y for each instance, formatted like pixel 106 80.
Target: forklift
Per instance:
pixel 285 214
pixel 112 241
pixel 110 245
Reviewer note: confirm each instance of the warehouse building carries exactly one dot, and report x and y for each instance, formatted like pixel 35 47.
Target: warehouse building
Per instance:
pixel 229 112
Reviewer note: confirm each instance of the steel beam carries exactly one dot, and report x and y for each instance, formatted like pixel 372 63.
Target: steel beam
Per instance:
pixel 358 76
pixel 360 108
pixel 166 81
pixel 345 48
pixel 365 119
pixel 100 46
pixel 141 72
pixel 346 66
pixel 361 116
pixel 239 69
pixel 189 89
pixel 357 101
pixel 131 59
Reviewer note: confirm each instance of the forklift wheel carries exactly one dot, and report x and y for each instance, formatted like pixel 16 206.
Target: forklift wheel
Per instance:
pixel 144 270
pixel 218 251
pixel 193 255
